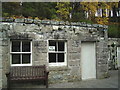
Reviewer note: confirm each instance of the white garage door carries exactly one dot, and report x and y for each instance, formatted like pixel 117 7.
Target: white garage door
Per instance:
pixel 88 60
pixel 118 56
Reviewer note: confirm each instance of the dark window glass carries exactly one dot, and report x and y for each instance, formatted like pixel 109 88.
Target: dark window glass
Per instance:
pixel 53 43
pixel 15 58
pixel 57 57
pixel 25 58
pixel 52 57
pixel 16 46
pixel 60 46
pixel 60 57
pixel 25 46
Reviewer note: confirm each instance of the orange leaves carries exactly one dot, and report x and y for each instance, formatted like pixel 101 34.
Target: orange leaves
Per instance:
pixel 102 20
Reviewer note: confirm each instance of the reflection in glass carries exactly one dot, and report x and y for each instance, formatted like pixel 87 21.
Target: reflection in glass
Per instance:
pixel 26 58
pixel 16 46
pixel 60 46
pixel 15 58
pixel 25 46
pixel 52 57
pixel 61 57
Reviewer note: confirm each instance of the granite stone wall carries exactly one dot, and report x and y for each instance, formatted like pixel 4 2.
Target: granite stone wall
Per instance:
pixel 1 60
pixel 40 32
pixel 113 43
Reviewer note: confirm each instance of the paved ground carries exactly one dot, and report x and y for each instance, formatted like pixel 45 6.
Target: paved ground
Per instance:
pixel 111 82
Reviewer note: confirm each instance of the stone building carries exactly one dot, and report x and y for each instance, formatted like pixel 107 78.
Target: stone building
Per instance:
pixel 71 51
pixel 114 53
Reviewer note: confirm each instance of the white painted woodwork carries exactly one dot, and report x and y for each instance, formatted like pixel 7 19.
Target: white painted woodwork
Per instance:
pixel 118 56
pixel 88 60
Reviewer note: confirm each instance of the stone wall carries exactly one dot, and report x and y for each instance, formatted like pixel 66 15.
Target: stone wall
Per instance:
pixel 1 60
pixel 113 43
pixel 41 31
pixel 4 55
pixel 102 58
pixel 0 48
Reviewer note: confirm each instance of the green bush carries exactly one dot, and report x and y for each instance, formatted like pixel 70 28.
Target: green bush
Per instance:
pixel 114 31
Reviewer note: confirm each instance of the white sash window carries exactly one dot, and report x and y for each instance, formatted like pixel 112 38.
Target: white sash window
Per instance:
pixel 21 53
pixel 57 53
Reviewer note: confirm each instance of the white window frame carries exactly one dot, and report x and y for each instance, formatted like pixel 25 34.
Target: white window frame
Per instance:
pixel 65 54
pixel 30 64
pixel 118 51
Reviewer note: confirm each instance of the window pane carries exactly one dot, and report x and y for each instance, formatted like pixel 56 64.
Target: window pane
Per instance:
pixel 53 43
pixel 60 57
pixel 15 46
pixel 25 58
pixel 60 46
pixel 15 58
pixel 25 46
pixel 52 57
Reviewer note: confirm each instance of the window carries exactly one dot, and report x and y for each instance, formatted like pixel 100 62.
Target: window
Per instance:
pixel 57 53
pixel 21 53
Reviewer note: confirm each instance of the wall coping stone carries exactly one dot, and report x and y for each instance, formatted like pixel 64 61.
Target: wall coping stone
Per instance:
pixel 52 22
pixel 114 39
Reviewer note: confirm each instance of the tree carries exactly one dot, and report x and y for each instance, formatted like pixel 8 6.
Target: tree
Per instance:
pixel 28 9
pixel 39 9
pixel 10 8
pixel 64 10
pixel 92 7
pixel 77 13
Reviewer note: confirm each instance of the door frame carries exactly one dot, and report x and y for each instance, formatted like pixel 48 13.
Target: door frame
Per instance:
pixel 117 56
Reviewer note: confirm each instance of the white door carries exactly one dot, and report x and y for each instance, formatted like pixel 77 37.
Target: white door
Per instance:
pixel 88 60
pixel 118 56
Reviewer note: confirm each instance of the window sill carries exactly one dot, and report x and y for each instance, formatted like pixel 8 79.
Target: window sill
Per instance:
pixel 21 64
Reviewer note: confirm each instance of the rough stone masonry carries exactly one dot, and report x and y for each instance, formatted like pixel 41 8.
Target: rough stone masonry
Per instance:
pixel 40 32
